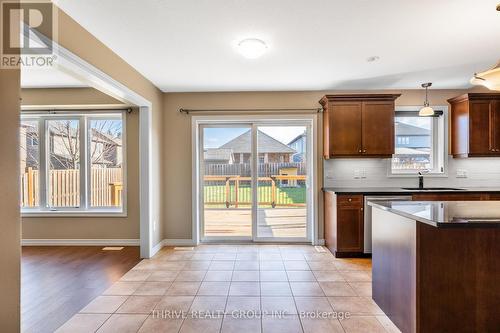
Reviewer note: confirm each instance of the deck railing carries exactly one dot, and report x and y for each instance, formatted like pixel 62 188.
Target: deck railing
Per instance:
pixel 235 191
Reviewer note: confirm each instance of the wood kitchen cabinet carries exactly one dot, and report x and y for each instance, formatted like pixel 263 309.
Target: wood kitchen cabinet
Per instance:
pixel 344 224
pixel 344 217
pixel 358 125
pixel 475 125
pixel 450 196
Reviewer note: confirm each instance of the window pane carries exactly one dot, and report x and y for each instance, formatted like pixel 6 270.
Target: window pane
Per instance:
pixel 106 156
pixel 413 143
pixel 30 164
pixel 64 163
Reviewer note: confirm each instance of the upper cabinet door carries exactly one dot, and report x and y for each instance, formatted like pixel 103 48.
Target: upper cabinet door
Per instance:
pixel 378 128
pixel 344 121
pixel 496 125
pixel 481 139
pixel 475 125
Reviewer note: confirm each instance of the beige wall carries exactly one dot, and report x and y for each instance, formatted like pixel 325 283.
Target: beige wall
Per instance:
pixel 10 235
pixel 76 39
pixel 89 227
pixel 65 96
pixel 177 140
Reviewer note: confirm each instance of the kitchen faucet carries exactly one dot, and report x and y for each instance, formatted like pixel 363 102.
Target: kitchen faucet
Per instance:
pixel 421 179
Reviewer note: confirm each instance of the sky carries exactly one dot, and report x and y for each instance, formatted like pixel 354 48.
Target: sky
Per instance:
pixel 215 137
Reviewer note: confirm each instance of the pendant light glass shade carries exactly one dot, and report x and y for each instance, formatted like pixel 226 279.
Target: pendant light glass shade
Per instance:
pixel 490 78
pixel 426 111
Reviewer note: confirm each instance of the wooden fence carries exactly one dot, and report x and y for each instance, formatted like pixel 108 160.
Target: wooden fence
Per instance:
pixel 274 191
pixel 64 188
pixel 244 169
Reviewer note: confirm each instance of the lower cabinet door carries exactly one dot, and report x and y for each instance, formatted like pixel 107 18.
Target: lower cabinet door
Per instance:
pixel 350 229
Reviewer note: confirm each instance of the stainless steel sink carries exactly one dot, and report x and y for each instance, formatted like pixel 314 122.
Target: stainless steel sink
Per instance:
pixel 433 189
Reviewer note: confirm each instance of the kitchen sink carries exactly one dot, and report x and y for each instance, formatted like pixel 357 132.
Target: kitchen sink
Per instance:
pixel 433 189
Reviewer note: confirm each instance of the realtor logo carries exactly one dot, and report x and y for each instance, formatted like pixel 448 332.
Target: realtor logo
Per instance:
pixel 28 32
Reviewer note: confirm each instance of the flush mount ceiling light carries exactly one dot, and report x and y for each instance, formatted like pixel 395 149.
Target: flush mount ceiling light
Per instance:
pixel 426 111
pixel 252 48
pixel 490 78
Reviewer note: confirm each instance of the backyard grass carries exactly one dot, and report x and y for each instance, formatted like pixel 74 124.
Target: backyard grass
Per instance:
pixel 284 195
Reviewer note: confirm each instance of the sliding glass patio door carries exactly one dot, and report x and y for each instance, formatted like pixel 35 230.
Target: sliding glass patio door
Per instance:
pixel 282 183
pixel 254 181
pixel 226 183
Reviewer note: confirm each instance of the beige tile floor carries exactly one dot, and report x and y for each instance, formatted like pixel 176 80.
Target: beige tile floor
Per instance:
pixel 238 288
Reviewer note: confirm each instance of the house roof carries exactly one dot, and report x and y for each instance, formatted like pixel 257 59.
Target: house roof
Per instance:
pixel 266 144
pixel 97 136
pixel 217 154
pixel 411 151
pixel 297 138
pixel 403 129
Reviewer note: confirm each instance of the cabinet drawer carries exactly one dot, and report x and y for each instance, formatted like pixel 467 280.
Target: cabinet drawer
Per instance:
pixel 350 200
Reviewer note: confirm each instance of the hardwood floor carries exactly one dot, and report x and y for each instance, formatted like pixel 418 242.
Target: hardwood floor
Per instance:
pixel 58 281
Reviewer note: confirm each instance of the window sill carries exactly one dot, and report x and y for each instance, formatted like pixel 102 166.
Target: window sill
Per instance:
pixel 95 213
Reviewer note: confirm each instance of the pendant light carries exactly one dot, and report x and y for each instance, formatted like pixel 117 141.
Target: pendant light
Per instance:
pixel 426 111
pixel 490 78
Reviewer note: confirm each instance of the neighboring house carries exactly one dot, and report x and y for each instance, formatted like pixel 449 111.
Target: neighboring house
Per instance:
pixel 270 149
pixel 28 146
pixel 299 145
pixel 409 136
pixel 412 144
pixel 218 156
pixel 105 150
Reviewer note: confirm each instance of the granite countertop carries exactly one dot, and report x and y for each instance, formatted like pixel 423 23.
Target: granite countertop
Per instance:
pixel 398 190
pixel 446 213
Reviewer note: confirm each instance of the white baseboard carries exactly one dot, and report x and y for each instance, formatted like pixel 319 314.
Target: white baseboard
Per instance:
pixel 321 242
pixel 178 242
pixel 156 248
pixel 80 242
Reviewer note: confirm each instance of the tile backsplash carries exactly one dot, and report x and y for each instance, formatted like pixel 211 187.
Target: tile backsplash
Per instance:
pixel 470 172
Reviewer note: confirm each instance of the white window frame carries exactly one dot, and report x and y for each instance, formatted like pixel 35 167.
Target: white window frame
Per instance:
pixel 439 156
pixel 256 120
pixel 84 117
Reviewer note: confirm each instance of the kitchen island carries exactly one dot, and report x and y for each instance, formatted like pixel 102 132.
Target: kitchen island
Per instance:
pixel 436 264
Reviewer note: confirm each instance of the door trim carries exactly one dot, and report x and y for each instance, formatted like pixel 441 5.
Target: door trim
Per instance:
pixel 312 204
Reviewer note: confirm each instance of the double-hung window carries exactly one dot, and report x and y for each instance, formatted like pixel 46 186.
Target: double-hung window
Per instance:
pixel 72 162
pixel 420 143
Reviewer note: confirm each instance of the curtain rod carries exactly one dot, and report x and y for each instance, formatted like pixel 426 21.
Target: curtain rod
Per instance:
pixel 296 110
pixel 68 110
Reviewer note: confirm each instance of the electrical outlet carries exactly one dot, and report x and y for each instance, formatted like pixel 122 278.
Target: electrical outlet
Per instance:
pixel 363 173
pixel 461 173
pixel 357 174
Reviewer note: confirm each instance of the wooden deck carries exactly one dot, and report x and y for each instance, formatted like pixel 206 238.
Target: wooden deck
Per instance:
pixel 273 222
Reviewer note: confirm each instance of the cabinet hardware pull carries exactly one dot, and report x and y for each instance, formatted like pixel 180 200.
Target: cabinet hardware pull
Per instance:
pixel 350 199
